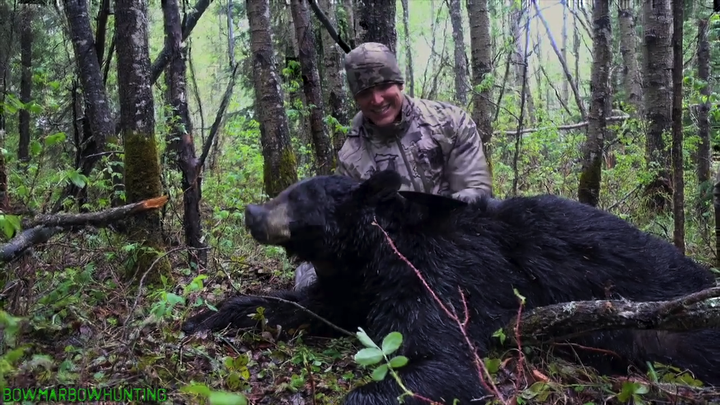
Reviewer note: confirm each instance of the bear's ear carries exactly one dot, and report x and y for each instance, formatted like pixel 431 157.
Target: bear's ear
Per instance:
pixel 381 186
pixel 437 205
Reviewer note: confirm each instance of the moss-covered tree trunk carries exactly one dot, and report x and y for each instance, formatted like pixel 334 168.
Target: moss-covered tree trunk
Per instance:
pixel 280 169
pixel 657 67
pixel 589 187
pixel 137 121
pixel 181 145
pixel 311 86
pixel 481 63
pixel 375 22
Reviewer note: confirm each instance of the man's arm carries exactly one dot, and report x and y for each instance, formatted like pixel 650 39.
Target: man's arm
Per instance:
pixel 467 170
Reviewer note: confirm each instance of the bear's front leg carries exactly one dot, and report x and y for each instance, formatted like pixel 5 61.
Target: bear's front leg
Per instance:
pixel 438 380
pixel 289 309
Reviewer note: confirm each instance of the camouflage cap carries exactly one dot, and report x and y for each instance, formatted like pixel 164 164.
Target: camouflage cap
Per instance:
pixel 370 64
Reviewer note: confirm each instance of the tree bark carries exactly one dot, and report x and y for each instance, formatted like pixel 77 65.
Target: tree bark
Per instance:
pixel 41 229
pixel 137 121
pixel 481 62
pixel 657 66
pixel 181 135
pixel 677 129
pixel 632 81
pixel 376 22
pixel 702 155
pixel 573 319
pixel 460 68
pixel 26 47
pixel 589 187
pixel 280 165
pixel 97 108
pixel 324 161
pixel 334 73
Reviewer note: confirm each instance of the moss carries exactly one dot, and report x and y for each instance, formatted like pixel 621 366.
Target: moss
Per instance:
pixel 589 183
pixel 286 174
pixel 142 181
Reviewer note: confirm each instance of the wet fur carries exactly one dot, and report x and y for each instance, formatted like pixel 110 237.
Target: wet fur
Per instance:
pixel 550 249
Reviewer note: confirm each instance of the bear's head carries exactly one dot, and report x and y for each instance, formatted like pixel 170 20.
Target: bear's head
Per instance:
pixel 329 219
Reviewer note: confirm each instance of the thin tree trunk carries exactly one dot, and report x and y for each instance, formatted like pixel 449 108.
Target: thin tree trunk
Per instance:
pixel 409 79
pixel 280 165
pixel 334 73
pixel 460 68
pixel 481 61
pixel 677 128
pixel 26 47
pixel 589 187
pixel 311 86
pixel 181 135
pixel 702 156
pixel 657 61
pixel 632 81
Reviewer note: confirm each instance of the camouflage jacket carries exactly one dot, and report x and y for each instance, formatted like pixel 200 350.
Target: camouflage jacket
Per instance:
pixel 435 147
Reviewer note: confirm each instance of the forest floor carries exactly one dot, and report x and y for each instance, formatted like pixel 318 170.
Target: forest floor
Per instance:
pixel 87 328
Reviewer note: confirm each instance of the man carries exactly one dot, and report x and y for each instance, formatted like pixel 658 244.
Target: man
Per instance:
pixel 435 146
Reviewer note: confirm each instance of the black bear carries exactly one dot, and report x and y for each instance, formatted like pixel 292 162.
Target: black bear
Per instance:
pixel 550 249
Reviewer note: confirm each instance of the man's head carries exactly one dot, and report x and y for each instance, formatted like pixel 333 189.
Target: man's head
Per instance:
pixel 375 81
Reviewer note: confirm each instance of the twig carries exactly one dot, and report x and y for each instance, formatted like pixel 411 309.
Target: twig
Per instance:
pixel 478 361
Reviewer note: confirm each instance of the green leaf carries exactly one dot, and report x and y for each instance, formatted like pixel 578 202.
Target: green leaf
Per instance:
pixel 391 342
pixel 76 178
pixel 368 356
pixel 380 372
pixel 200 389
pixel 364 338
pixel 35 147
pixel 226 398
pixel 398 361
pixel 54 139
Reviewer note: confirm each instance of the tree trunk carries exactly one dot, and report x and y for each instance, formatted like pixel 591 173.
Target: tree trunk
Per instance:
pixel 97 109
pixel 324 162
pixel 702 157
pixel 181 135
pixel 334 73
pixel 677 129
pixel 137 122
pixel 409 76
pixel 376 22
pixel 280 165
pixel 563 50
pixel 632 81
pixel 461 68
pixel 589 187
pixel 481 62
pixel 26 45
pixel 657 61
pixel 518 60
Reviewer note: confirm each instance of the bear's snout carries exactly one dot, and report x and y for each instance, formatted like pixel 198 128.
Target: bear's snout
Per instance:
pixel 255 216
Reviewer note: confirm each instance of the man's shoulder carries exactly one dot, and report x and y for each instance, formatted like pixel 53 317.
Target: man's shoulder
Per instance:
pixel 441 113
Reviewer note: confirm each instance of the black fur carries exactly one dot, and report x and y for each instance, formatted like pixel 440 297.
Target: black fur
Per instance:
pixel 550 249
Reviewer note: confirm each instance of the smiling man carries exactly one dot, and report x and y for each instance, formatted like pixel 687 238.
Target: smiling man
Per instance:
pixel 433 145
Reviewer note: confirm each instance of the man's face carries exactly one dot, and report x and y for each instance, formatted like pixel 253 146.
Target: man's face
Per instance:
pixel 381 104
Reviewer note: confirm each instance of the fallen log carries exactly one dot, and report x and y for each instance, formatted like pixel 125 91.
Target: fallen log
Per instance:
pixel 41 228
pixel 700 310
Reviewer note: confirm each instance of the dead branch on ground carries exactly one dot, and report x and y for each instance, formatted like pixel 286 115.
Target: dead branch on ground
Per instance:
pixel 42 228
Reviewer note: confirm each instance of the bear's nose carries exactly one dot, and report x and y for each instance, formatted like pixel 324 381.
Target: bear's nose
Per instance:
pixel 254 219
